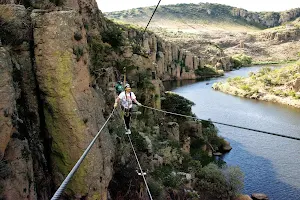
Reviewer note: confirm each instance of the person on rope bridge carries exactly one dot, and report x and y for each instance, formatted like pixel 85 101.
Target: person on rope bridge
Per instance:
pixel 119 87
pixel 126 98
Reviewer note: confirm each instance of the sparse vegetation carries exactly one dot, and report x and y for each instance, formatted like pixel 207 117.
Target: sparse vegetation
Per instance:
pixel 216 183
pixel 144 81
pixel 78 51
pixel 273 82
pixel 11 25
pixel 113 36
pixel 78 36
pixel 206 71
pixel 58 2
pixel 167 175
pixel 99 52
pixel 241 60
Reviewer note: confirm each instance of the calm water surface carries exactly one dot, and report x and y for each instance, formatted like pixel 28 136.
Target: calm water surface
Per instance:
pixel 271 164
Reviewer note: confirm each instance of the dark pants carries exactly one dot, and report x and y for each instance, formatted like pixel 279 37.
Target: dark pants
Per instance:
pixel 127 116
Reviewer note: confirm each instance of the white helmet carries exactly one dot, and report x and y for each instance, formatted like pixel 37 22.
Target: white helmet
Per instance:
pixel 127 86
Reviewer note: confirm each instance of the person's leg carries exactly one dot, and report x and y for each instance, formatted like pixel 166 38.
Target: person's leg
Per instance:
pixel 127 121
pixel 127 117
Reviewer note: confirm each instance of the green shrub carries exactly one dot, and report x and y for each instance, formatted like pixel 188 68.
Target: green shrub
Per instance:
pixel 77 36
pixel 57 2
pixel 245 87
pixel 78 51
pixel 237 78
pixel 241 60
pixel 139 142
pixel 216 183
pixel 136 49
pixel 123 65
pixel 291 93
pixel 113 36
pixel 263 71
pixel 165 174
pixel 144 81
pixel 155 188
pixel 205 71
pixel 177 104
pixel 99 51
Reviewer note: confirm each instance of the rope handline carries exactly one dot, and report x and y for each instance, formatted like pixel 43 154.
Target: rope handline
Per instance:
pixel 138 162
pixel 142 172
pixel 77 165
pixel 151 17
pixel 224 124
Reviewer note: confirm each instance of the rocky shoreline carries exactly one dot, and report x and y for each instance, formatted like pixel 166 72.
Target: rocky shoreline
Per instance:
pixel 233 90
pixel 279 85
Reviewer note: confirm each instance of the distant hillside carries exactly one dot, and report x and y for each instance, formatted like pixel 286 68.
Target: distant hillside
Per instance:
pixel 213 29
pixel 205 14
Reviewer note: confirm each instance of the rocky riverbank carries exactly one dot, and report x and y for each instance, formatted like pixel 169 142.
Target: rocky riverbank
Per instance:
pixel 280 85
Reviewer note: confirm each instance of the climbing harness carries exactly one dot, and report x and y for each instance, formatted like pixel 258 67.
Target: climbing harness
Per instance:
pixel 77 165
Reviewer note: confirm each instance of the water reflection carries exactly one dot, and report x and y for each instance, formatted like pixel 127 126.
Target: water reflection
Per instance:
pixel 271 164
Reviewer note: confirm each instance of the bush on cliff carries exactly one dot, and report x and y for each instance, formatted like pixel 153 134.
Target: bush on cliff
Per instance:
pixel 177 104
pixel 206 71
pixel 113 35
pixel 98 51
pixel 216 183
pixel 165 175
pixel 14 29
pixel 241 60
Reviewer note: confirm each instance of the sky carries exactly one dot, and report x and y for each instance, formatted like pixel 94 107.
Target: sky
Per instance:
pixel 251 5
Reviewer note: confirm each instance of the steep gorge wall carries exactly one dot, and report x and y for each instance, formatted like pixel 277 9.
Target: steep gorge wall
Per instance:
pixel 49 111
pixel 167 60
pixel 72 109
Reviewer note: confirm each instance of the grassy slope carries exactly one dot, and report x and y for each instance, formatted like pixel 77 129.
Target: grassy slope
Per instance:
pixel 185 16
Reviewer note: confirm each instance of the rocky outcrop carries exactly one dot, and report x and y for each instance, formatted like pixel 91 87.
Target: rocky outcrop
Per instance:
pixel 192 129
pixel 72 109
pixel 243 197
pixel 165 59
pixel 173 131
pixel 283 35
pixel 25 152
pixel 267 19
pixel 226 146
pixel 18 184
pixel 259 196
pixel 7 100
pixel 186 145
pixel 296 85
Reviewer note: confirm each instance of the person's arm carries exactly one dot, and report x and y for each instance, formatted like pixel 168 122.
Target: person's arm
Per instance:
pixel 117 101
pixel 135 101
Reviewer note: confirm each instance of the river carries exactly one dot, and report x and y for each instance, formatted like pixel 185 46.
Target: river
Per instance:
pixel 271 164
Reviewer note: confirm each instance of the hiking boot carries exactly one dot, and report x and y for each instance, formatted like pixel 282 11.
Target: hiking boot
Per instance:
pixel 128 132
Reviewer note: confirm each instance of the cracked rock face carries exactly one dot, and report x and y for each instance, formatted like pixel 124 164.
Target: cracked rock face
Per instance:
pixel 7 100
pixel 72 109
